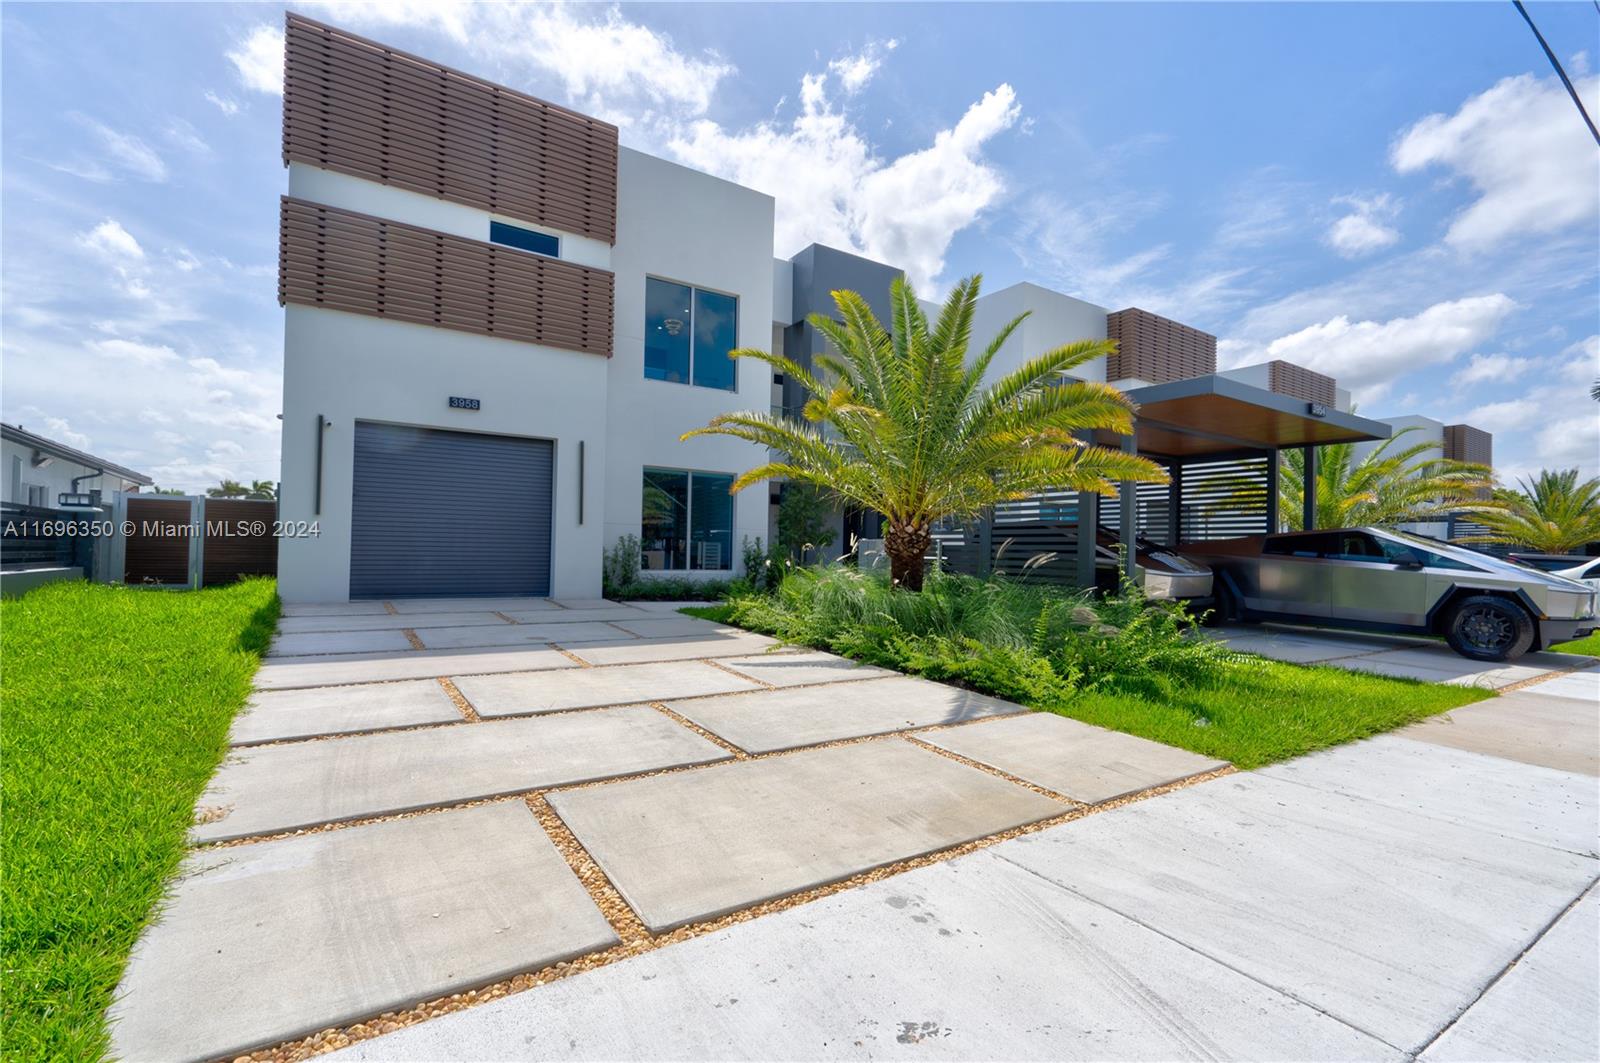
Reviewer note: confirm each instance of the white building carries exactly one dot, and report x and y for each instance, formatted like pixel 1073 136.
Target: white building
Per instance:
pixel 37 471
pixel 499 323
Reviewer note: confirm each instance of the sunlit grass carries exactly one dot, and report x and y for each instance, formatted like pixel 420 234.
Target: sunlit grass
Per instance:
pixel 116 706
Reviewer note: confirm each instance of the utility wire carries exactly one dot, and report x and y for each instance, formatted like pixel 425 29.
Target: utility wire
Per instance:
pixel 1576 99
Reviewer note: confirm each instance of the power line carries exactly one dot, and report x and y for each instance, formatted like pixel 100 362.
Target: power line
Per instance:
pixel 1576 99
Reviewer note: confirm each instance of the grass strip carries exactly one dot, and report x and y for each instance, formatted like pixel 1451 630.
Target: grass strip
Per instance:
pixel 116 705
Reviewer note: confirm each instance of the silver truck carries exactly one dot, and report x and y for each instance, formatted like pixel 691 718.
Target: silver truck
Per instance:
pixel 1379 580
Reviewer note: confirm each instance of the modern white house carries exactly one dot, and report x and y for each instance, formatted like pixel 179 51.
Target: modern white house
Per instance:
pixel 499 322
pixel 37 471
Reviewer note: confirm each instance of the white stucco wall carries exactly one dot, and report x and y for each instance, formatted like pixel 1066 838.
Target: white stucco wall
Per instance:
pixel 351 367
pixel 682 225
pixel 413 208
pixel 1053 319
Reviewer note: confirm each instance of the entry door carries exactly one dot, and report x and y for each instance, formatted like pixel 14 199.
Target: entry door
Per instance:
pixel 446 514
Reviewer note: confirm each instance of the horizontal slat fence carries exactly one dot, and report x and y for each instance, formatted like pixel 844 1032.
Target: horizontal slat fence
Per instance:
pixel 1224 499
pixel 360 108
pixel 343 260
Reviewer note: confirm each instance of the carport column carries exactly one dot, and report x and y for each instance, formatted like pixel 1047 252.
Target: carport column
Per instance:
pixel 1274 491
pixel 1308 494
pixel 1127 529
pixel 1088 529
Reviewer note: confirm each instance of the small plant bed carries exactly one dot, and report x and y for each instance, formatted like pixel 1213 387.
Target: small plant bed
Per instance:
pixel 1588 646
pixel 1120 662
pixel 117 705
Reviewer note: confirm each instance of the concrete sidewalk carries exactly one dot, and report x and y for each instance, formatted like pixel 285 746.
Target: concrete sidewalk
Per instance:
pixel 1400 897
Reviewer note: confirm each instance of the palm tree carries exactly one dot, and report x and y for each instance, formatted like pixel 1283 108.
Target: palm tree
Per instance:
pixel 1555 514
pixel 899 422
pixel 1383 487
pixel 228 489
pixel 264 489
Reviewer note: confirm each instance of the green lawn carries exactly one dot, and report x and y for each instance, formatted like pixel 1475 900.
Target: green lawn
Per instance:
pixel 116 708
pixel 1588 645
pixel 1251 711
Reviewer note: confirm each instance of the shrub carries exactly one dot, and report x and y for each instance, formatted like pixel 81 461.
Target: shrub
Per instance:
pixel 672 589
pixel 1015 639
pixel 620 567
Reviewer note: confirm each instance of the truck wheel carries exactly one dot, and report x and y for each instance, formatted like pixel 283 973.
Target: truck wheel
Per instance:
pixel 1486 628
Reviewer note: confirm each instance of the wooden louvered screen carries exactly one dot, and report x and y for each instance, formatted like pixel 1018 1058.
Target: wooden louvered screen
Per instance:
pixel 1286 378
pixel 1156 349
pixel 343 260
pixel 357 107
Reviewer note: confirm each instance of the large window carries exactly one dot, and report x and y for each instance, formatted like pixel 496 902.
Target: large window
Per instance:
pixel 688 333
pixel 688 521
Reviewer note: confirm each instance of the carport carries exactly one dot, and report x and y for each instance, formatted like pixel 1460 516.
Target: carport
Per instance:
pixel 1203 424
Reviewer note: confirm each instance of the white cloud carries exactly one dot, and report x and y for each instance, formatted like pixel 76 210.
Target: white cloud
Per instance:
pixel 831 187
pixel 258 59
pixel 605 63
pixel 124 150
pixel 110 239
pixel 226 104
pixel 186 136
pixel 1367 356
pixel 1481 368
pixel 58 429
pixel 1362 231
pixel 855 71
pixel 143 354
pixel 1523 147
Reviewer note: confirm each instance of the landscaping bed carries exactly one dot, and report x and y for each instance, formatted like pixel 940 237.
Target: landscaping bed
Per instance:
pixel 1119 662
pixel 117 704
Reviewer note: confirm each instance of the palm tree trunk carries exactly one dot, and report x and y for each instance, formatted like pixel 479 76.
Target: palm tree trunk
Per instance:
pixel 906 545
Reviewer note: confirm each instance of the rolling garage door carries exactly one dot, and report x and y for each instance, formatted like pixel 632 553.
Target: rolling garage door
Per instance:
pixel 449 513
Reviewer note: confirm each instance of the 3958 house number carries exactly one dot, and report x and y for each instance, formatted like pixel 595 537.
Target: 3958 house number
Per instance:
pixel 459 403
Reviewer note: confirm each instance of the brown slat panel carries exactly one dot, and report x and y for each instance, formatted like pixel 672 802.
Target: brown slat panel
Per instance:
pixel 1157 349
pixel 354 106
pixel 343 260
pixel 152 556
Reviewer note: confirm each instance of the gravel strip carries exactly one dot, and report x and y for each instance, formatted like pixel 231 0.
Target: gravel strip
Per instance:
pixel 411 637
pixel 460 699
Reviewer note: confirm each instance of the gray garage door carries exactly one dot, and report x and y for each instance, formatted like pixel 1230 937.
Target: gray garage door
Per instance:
pixel 449 513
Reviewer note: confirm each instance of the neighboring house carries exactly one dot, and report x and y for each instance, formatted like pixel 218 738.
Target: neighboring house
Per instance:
pixel 37 471
pixel 498 323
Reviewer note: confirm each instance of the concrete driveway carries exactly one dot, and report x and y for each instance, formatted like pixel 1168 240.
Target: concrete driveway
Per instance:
pixel 428 798
pixel 1392 655
pixel 1407 897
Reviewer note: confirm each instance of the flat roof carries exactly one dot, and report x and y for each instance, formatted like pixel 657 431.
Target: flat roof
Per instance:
pixel 1215 416
pixel 18 434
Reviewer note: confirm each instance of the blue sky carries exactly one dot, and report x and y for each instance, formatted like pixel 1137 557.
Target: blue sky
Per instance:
pixel 1399 195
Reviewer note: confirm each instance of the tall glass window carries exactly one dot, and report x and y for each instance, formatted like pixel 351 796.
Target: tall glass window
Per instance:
pixel 687 522
pixel 688 334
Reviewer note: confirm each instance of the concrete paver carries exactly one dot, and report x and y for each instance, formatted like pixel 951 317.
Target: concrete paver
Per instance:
pixel 1085 763
pixel 588 603
pixel 1528 725
pixel 521 634
pixel 263 943
pixel 1301 647
pixel 726 642
pixel 285 673
pixel 771 720
pixel 384 621
pixel 795 669
pixel 1581 686
pixel 332 642
pixel 1496 795
pixel 579 688
pixel 967 960
pixel 1545 1007
pixel 655 627
pixel 456 605
pixel 1385 919
pixel 335 609
pixel 693 845
pixel 278 788
pixel 1443 666
pixel 274 715
pixel 571 616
